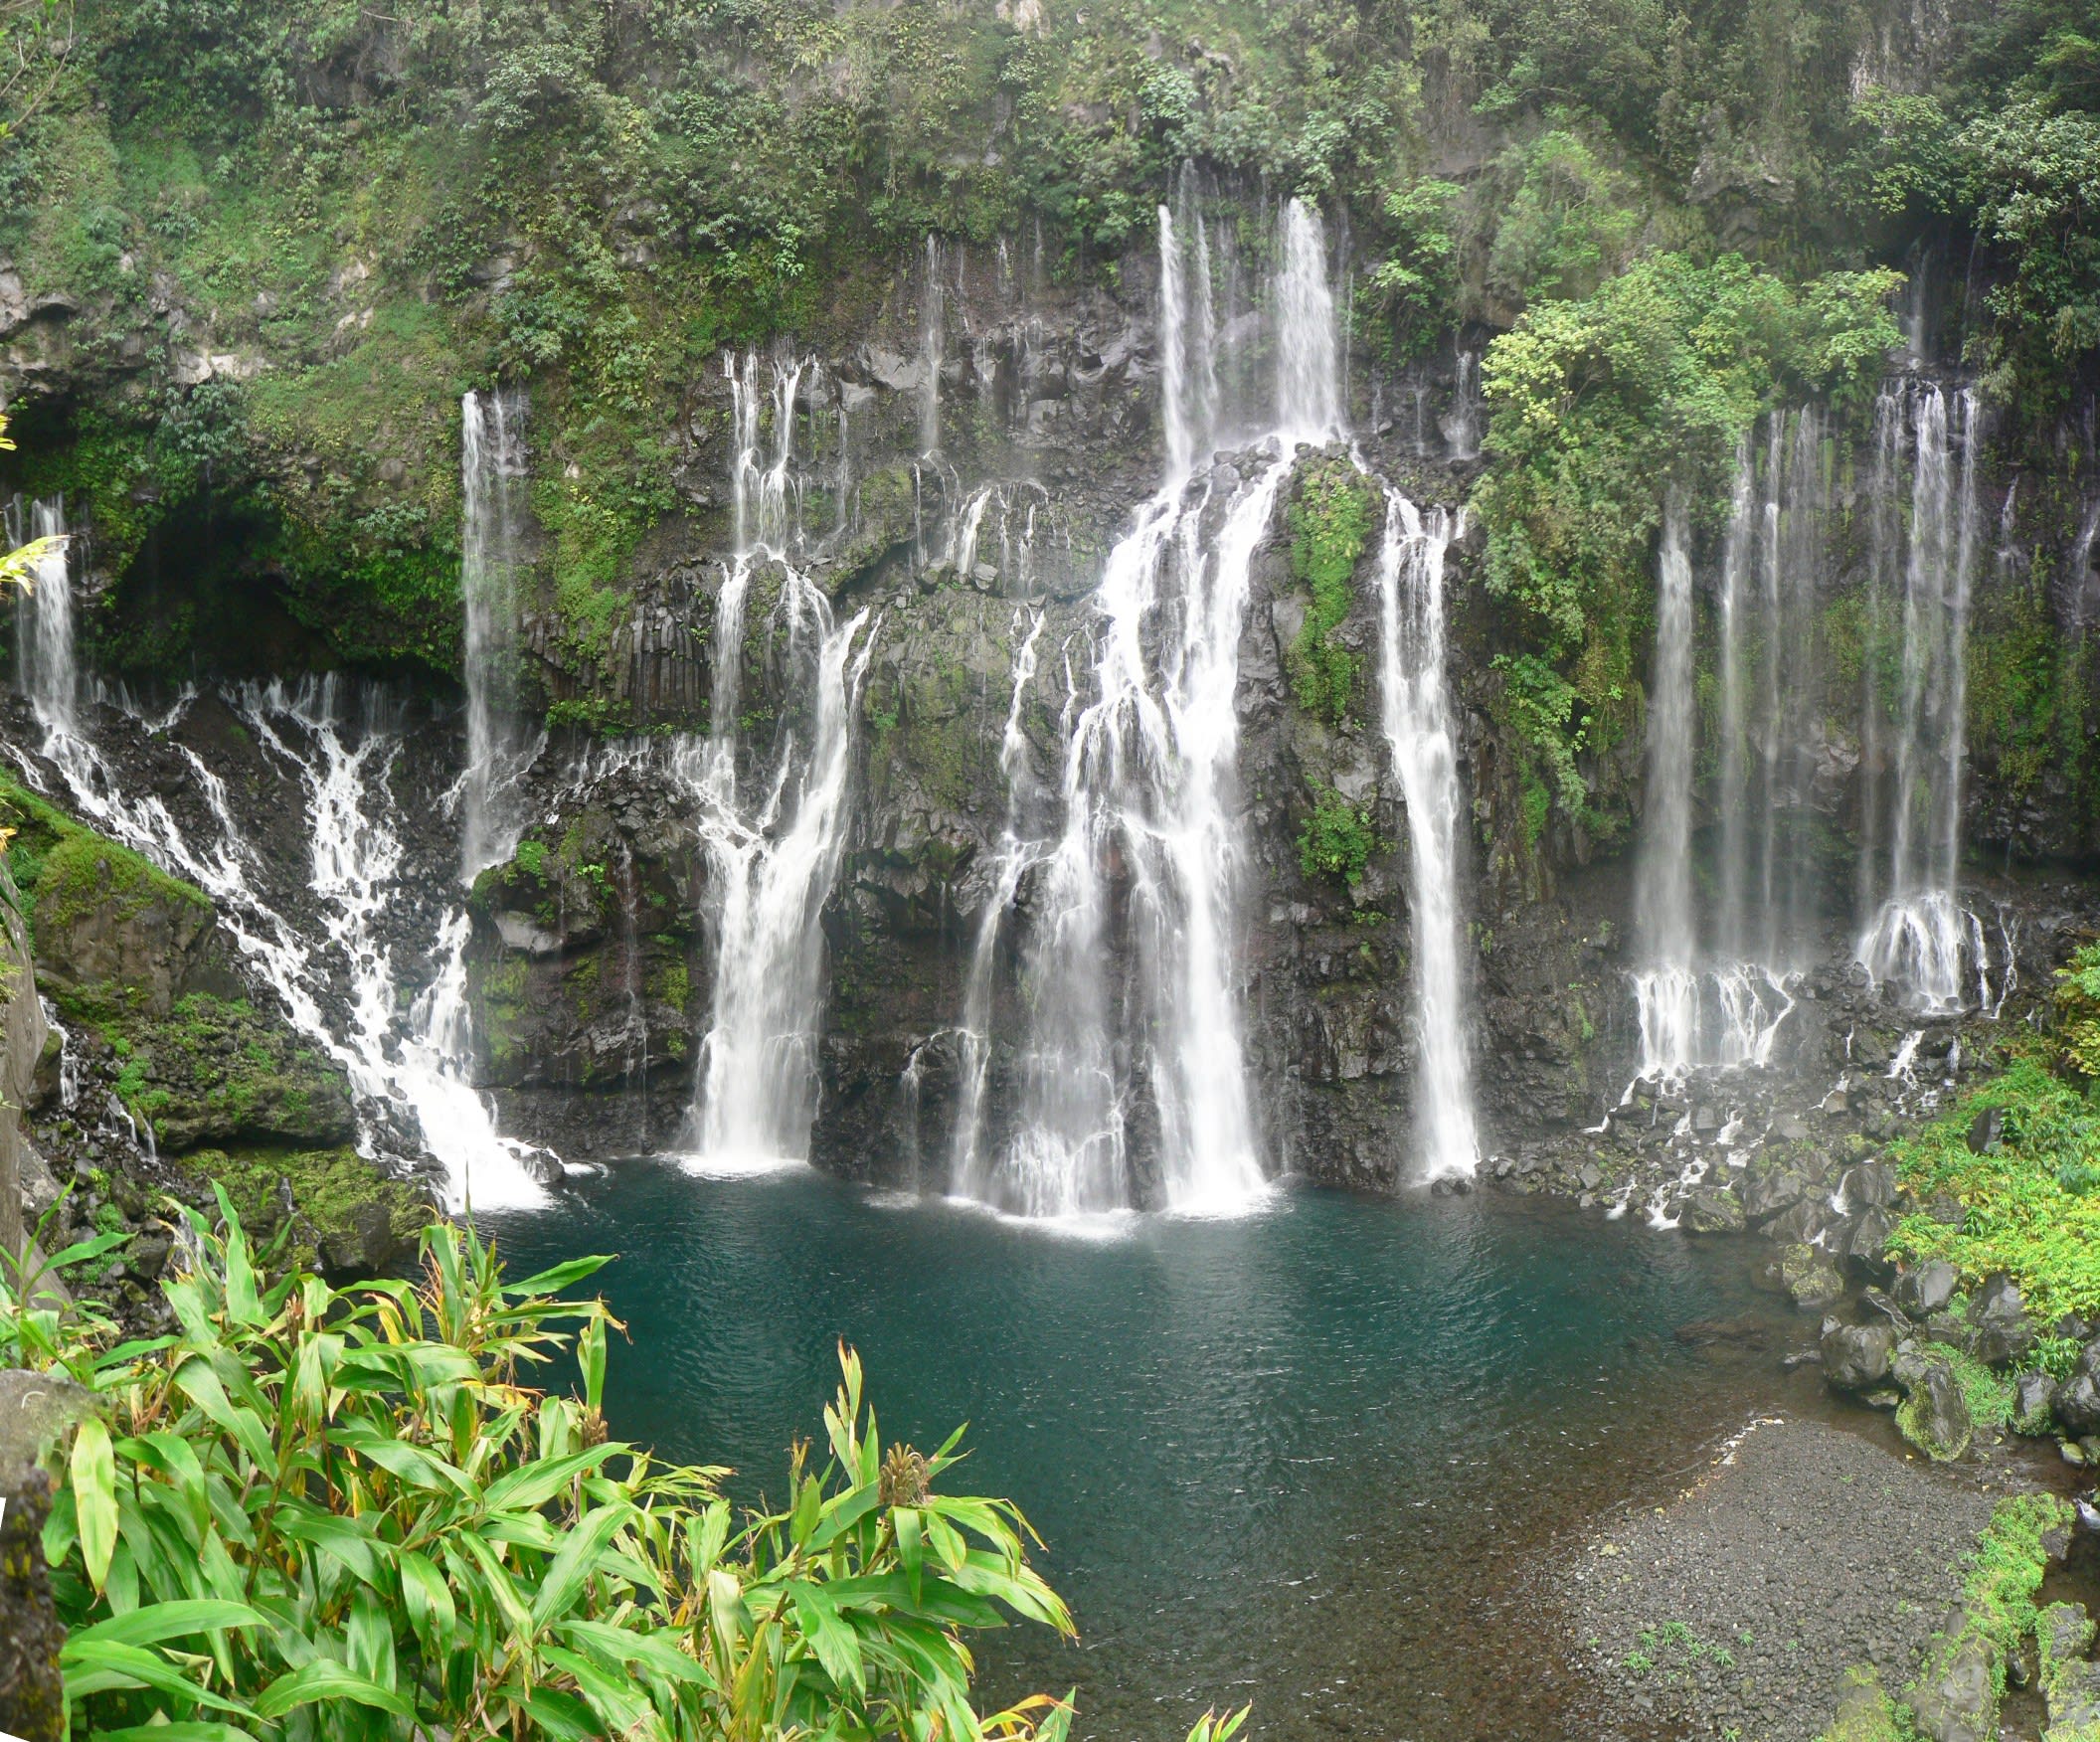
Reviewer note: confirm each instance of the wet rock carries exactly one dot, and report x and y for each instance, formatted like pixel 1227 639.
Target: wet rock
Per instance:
pixel 38 1411
pixel 1770 1185
pixel 1987 1131
pixel 2033 1398
pixel 1925 1288
pixel 1949 1330
pixel 1868 1184
pixel 1789 1128
pixel 1880 1308
pixel 1870 1236
pixel 2079 1399
pixel 2070 1679
pixel 1934 1416
pixel 1957 1699
pixel 1810 1276
pixel 1857 1356
pixel 1998 1324
pixel 1711 1209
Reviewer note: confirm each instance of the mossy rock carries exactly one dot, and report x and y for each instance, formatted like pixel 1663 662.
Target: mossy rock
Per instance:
pixel 113 936
pixel 1865 1714
pixel 334 1209
pixel 214 1071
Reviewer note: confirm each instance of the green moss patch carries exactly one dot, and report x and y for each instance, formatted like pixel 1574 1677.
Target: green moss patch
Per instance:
pixel 329 1205
pixel 2029 1207
pixel 1330 521
pixel 65 871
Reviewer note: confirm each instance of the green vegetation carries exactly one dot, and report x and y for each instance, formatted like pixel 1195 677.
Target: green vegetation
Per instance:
pixel 67 872
pixel 309 1500
pixel 1338 840
pixel 2030 1205
pixel 1999 1587
pixel 1330 519
pixel 1602 407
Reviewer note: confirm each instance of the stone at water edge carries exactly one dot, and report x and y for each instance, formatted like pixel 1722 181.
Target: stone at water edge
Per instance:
pixel 2079 1398
pixel 1711 1209
pixel 2034 1399
pixel 1770 1186
pixel 1934 1417
pixel 1857 1356
pixel 1957 1702
pixel 2070 1680
pixel 1810 1276
pixel 1871 1237
pixel 1925 1288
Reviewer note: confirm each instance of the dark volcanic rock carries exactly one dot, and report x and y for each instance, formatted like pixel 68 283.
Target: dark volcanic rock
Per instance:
pixel 1855 1357
pixel 1923 1289
pixel 1997 1319
pixel 1934 1417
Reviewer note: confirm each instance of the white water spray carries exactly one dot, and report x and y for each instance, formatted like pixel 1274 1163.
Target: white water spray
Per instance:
pixel 1422 737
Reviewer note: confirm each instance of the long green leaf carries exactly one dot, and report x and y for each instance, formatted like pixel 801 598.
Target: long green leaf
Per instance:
pixel 553 1281
pixel 163 1621
pixel 183 1731
pixel 101 1665
pixel 568 1569
pixel 93 1470
pixel 323 1679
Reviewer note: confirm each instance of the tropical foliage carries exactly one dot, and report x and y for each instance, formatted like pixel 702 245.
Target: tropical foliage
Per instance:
pixel 346 1513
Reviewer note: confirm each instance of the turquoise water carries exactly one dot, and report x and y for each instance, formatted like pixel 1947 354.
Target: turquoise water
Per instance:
pixel 1313 1458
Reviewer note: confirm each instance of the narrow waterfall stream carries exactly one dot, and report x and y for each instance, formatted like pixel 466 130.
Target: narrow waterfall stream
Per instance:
pixel 493 471
pixel 1666 988
pixel 1422 737
pixel 771 821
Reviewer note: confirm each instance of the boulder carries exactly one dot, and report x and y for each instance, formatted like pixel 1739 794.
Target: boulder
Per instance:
pixel 1857 1356
pixel 1925 1288
pixel 1770 1185
pixel 1882 1310
pixel 1867 1185
pixel 2079 1398
pixel 1934 1416
pixel 1711 1209
pixel 1956 1698
pixel 1998 1318
pixel 1810 1277
pixel 2034 1401
pixel 1871 1234
pixel 1987 1131
pixel 2070 1679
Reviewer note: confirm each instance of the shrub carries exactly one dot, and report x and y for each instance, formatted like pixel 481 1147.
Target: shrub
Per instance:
pixel 316 1512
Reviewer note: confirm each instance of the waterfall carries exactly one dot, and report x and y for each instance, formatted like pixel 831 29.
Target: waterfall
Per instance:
pixel 1460 426
pixel 968 1158
pixel 45 669
pixel 1422 736
pixel 1920 939
pixel 774 834
pixel 931 319
pixel 1666 991
pixel 1131 1027
pixel 492 484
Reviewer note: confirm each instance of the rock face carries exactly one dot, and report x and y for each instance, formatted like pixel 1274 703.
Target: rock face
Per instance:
pixel 36 1412
pixel 1957 1702
pixel 22 1038
pixel 1925 1290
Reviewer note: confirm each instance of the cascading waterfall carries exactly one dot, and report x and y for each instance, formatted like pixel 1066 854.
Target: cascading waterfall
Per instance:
pixel 1146 865
pixel 1422 737
pixel 1666 989
pixel 1724 1001
pixel 492 476
pixel 45 671
pixel 968 1158
pixel 774 835
pixel 1920 940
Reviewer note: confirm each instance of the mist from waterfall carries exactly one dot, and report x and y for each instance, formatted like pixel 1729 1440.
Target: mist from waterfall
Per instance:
pixel 1132 1037
pixel 1422 737
pixel 1920 941
pixel 772 820
pixel 492 480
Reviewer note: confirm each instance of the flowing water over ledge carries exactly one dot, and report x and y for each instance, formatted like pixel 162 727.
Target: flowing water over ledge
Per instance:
pixel 1313 1457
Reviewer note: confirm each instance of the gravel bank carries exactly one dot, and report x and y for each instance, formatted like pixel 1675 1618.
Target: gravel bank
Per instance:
pixel 1735 1608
